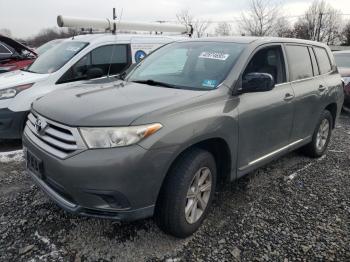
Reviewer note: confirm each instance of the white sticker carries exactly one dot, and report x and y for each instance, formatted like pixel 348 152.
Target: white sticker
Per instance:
pixel 214 55
pixel 73 49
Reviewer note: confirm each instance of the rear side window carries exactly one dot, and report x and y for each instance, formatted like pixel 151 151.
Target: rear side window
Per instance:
pixel 323 60
pixel 299 62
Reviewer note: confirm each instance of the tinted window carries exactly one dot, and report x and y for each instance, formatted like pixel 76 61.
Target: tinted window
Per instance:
pixel 4 50
pixel 268 60
pixel 111 59
pixel 189 65
pixel 314 62
pixel 299 62
pixel 323 60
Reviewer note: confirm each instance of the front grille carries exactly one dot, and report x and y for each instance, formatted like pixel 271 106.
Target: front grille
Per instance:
pixel 53 137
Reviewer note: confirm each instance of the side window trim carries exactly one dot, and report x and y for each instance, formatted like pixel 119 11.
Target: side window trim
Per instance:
pixel 315 65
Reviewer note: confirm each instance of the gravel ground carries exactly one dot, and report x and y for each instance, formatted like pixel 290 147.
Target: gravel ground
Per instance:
pixel 294 209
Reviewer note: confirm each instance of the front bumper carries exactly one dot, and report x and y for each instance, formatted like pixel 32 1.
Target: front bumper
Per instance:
pixel 119 183
pixel 11 123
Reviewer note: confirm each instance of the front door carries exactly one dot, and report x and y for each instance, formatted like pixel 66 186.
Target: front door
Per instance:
pixel 265 118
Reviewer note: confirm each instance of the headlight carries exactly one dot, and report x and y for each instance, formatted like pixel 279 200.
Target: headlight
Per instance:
pixel 108 137
pixel 13 91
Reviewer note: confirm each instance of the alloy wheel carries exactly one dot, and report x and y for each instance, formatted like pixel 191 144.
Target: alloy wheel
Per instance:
pixel 198 195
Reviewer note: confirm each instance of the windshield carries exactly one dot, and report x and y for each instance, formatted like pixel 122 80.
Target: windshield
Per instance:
pixel 43 48
pixel 342 60
pixel 188 65
pixel 56 57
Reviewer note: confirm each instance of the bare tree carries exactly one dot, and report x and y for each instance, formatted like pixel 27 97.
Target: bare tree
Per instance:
pixel 184 17
pixel 199 26
pixel 49 34
pixel 223 29
pixel 321 22
pixel 261 19
pixel 5 32
pixel 284 28
pixel 346 34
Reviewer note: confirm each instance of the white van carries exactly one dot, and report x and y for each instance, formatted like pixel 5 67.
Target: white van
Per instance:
pixel 74 60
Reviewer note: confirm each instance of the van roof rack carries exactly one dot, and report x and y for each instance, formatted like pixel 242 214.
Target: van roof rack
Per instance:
pixel 113 25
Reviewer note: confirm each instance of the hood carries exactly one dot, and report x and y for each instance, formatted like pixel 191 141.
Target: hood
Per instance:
pixel 110 104
pixel 344 71
pixel 18 77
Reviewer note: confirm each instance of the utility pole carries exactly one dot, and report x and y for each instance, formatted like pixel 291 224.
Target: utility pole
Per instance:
pixel 114 17
pixel 319 26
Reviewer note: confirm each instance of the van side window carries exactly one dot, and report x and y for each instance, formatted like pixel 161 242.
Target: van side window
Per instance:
pixel 268 60
pixel 110 59
pixel 314 62
pixel 299 62
pixel 323 60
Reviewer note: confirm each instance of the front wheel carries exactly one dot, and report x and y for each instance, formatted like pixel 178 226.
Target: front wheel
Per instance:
pixel 187 193
pixel 321 136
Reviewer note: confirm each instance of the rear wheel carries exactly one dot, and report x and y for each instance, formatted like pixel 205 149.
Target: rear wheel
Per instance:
pixel 321 136
pixel 187 193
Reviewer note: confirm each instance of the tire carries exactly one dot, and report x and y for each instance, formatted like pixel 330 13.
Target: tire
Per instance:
pixel 313 149
pixel 170 213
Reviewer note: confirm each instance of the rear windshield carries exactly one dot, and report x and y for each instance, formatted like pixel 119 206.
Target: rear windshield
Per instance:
pixel 342 60
pixel 56 57
pixel 189 65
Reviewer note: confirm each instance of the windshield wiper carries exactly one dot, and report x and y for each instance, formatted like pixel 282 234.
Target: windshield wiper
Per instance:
pixel 152 82
pixel 26 70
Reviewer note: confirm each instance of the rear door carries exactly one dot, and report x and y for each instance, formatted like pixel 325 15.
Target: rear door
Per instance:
pixel 308 86
pixel 265 118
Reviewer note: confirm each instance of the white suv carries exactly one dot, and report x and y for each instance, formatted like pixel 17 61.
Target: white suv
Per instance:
pixel 73 61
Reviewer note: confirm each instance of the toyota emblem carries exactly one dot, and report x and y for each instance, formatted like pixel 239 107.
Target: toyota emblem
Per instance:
pixel 40 126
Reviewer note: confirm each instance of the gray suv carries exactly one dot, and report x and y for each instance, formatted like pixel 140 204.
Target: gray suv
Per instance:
pixel 192 114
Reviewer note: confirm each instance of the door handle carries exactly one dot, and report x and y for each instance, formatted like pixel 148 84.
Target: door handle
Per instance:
pixel 322 88
pixel 288 97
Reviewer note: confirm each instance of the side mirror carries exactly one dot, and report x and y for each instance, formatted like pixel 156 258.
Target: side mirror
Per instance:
pixel 257 82
pixel 94 72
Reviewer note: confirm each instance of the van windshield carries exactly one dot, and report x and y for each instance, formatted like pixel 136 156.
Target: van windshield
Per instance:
pixel 188 65
pixel 56 57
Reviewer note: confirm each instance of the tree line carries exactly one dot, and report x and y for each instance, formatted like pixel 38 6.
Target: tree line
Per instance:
pixel 320 22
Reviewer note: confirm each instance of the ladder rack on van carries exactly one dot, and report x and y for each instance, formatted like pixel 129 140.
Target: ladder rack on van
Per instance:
pixel 113 25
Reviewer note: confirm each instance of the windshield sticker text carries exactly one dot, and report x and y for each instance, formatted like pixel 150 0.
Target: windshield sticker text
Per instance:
pixel 214 55
pixel 209 83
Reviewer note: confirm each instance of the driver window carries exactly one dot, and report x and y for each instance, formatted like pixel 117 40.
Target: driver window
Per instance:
pixel 270 61
pixel 110 60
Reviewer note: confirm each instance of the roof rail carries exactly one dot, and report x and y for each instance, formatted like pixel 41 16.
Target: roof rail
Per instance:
pixel 112 25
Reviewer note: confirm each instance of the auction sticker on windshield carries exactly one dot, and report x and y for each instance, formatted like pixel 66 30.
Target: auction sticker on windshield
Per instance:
pixel 214 55
pixel 209 83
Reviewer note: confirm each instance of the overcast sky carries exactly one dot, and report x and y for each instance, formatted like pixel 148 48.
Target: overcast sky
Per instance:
pixel 27 17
